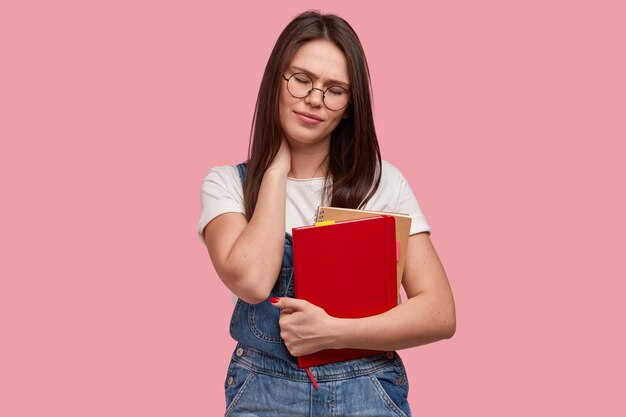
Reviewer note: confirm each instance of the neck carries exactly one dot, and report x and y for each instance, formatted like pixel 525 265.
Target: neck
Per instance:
pixel 309 161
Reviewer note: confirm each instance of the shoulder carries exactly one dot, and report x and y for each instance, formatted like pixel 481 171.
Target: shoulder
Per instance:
pixel 226 173
pixel 225 176
pixel 223 181
pixel 390 174
pixel 391 187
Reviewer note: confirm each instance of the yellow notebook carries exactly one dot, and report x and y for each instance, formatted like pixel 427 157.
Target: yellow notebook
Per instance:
pixel 403 227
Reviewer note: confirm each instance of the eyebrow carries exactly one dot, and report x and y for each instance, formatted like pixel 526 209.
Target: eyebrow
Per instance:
pixel 312 74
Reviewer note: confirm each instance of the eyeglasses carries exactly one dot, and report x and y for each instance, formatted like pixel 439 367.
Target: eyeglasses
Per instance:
pixel 300 85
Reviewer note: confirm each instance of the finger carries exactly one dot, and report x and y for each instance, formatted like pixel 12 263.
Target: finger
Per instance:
pixel 292 304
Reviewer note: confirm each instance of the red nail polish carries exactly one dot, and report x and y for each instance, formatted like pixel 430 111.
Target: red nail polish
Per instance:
pixel 274 300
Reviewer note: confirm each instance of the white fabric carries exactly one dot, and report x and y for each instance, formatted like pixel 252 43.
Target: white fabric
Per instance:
pixel 222 193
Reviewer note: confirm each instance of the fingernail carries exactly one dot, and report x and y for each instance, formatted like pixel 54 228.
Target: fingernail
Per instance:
pixel 274 300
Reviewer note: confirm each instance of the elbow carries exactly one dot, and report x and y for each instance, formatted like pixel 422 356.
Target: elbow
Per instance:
pixel 449 329
pixel 448 326
pixel 251 297
pixel 250 291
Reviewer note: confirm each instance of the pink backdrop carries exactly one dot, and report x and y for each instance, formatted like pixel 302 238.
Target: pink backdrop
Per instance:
pixel 507 119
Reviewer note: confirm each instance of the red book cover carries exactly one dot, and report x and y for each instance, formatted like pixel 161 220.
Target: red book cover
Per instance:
pixel 349 269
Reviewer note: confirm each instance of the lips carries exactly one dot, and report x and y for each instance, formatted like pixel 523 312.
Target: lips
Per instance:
pixel 309 115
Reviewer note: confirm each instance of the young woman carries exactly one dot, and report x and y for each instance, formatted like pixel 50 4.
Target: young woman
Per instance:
pixel 313 142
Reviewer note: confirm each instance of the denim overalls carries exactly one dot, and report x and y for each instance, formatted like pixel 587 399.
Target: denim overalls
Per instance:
pixel 264 378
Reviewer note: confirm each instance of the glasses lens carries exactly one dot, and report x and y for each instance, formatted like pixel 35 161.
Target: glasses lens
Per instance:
pixel 299 85
pixel 336 98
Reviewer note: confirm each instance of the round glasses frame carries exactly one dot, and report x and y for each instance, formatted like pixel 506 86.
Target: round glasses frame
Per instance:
pixel 315 88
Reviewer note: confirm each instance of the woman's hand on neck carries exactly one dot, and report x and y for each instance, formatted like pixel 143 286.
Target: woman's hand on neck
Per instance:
pixel 282 161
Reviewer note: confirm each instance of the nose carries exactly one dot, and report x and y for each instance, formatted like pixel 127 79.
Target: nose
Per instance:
pixel 315 99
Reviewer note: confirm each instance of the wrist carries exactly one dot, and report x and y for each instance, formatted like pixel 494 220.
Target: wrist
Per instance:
pixel 276 173
pixel 341 332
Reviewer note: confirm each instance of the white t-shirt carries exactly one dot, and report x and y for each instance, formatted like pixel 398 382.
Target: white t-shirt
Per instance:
pixel 222 192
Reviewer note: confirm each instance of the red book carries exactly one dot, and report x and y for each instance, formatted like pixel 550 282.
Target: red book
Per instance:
pixel 347 268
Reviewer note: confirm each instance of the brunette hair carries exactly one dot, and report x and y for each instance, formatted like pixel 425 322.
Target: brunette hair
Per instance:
pixel 354 159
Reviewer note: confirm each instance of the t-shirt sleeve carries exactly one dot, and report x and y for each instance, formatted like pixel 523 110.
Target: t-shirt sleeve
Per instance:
pixel 221 192
pixel 407 203
pixel 395 194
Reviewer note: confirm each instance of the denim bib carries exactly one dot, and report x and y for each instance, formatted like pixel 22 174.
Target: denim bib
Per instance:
pixel 256 325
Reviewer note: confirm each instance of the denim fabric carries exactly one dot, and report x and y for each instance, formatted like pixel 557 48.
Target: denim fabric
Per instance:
pixel 264 378
pixel 261 385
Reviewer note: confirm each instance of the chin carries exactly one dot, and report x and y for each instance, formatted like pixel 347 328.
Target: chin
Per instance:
pixel 306 138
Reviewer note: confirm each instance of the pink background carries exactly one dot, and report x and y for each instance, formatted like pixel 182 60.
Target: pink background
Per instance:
pixel 508 118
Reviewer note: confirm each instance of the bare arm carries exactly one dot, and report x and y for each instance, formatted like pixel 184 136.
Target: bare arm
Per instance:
pixel 246 255
pixel 427 316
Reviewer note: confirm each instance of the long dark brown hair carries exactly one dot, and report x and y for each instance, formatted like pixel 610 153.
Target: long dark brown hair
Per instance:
pixel 354 159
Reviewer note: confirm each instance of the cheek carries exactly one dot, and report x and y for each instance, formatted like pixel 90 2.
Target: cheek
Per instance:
pixel 283 112
pixel 285 100
pixel 335 120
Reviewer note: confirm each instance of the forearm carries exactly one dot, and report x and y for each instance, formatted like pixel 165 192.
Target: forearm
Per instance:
pixel 257 254
pixel 420 320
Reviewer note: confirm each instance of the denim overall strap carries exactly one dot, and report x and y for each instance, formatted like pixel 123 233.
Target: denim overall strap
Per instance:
pixel 256 325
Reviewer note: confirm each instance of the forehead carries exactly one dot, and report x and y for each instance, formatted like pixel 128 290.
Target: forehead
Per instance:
pixel 322 58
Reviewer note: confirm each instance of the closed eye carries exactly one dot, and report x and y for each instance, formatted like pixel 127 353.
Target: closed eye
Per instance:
pixel 302 80
pixel 337 91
